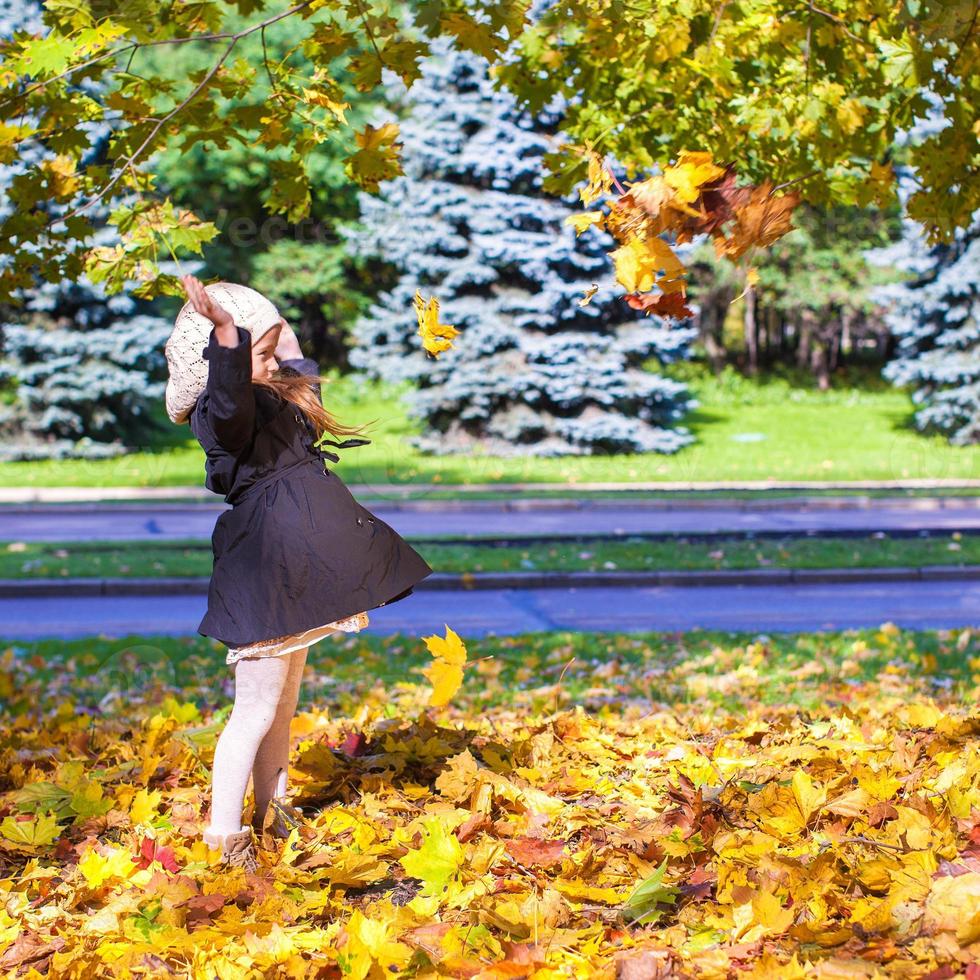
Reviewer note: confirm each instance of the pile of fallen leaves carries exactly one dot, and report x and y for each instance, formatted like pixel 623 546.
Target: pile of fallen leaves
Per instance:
pixel 653 812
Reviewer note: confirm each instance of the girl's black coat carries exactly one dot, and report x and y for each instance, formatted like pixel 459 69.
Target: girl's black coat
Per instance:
pixel 296 550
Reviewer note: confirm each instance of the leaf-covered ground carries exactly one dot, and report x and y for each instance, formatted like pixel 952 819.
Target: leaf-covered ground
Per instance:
pixel 588 805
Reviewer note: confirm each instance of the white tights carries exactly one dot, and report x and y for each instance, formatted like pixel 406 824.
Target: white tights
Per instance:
pixel 256 738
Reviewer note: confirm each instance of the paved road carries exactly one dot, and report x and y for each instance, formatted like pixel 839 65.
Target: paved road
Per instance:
pixel 922 605
pixel 518 518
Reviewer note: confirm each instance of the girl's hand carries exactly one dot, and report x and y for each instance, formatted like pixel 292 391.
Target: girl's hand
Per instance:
pixel 288 346
pixel 223 323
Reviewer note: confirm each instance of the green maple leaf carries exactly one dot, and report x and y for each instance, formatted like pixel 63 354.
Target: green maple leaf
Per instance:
pixel 643 906
pixel 437 862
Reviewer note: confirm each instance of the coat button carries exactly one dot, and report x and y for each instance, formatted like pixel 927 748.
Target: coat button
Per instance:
pixel 298 419
pixel 359 521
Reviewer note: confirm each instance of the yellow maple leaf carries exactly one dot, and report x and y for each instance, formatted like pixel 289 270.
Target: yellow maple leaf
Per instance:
pixel 639 263
pixel 61 175
pixel 377 157
pixel 953 905
pixel 98 868
pixel 143 807
pixel 689 173
pixel 763 915
pixel 317 97
pixel 436 336
pixel 446 670
pixel 39 831
pixel 580 222
pixel 652 195
pixel 600 179
pixel 809 798
pixel 369 941
pixel 882 785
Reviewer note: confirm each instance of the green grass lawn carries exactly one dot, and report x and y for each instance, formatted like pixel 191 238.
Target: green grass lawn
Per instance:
pixel 536 670
pixel 47 559
pixel 745 430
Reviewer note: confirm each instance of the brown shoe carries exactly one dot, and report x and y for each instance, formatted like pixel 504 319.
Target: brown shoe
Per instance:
pixel 237 849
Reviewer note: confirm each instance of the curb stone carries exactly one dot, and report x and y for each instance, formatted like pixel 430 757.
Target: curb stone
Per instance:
pixel 524 504
pixel 443 581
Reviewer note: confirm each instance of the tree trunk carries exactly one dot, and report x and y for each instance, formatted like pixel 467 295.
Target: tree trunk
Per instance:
pixel 818 363
pixel 772 334
pixel 847 337
pixel 751 327
pixel 711 326
pixel 804 333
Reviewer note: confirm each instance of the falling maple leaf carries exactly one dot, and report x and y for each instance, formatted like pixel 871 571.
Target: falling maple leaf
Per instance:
pixel 672 305
pixel 693 196
pixel 763 219
pixel 600 179
pixel 436 336
pixel 691 171
pixel 446 671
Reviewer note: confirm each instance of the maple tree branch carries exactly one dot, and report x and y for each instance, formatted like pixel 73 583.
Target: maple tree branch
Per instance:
pixel 281 95
pixel 795 180
pixel 181 105
pixel 840 23
pixel 132 157
pixel 136 45
pixel 369 32
pixel 235 38
pixel 714 26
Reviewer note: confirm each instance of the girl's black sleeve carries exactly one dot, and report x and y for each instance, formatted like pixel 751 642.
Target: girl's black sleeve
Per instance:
pixel 231 398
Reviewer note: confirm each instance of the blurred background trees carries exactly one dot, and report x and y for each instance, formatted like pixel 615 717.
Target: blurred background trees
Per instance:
pixel 81 372
pixel 534 370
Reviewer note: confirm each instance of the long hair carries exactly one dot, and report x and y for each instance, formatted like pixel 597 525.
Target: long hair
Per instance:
pixel 297 388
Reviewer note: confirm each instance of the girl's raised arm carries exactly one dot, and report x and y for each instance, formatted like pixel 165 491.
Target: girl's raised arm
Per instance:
pixel 231 399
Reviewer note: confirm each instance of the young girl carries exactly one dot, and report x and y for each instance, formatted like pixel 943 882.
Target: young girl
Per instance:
pixel 296 558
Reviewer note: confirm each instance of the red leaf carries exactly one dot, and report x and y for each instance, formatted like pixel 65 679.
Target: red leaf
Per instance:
pixel 532 851
pixel 354 745
pixel 672 305
pixel 150 851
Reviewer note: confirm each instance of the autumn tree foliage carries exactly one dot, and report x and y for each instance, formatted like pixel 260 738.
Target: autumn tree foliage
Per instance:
pixel 535 368
pixel 810 95
pixel 789 92
pixel 80 371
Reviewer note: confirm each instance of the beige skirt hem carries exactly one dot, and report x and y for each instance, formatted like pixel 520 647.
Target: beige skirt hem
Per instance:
pixel 278 646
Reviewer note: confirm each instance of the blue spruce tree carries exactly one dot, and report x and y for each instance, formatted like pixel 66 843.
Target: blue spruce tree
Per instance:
pixel 533 371
pixel 80 372
pixel 934 316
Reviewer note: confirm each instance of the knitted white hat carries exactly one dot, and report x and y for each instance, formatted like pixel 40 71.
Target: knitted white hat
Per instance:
pixel 191 333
